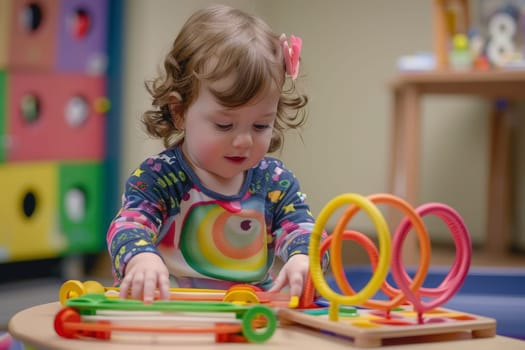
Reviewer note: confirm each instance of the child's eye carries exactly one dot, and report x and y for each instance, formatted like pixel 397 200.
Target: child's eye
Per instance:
pixel 223 127
pixel 261 127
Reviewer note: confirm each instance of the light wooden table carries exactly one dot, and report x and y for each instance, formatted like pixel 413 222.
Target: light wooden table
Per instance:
pixel 34 326
pixel 408 91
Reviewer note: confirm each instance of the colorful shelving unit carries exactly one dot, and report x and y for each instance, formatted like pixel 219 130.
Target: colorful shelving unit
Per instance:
pixel 59 125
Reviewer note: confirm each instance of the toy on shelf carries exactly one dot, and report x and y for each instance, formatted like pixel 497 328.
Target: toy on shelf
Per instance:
pixel 450 17
pixel 460 56
pixel 410 311
pixel 505 32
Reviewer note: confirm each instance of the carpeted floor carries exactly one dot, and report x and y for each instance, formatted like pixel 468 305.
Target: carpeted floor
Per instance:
pixel 19 295
pixel 27 284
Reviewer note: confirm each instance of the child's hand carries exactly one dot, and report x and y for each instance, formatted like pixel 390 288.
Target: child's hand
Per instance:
pixel 144 273
pixel 293 273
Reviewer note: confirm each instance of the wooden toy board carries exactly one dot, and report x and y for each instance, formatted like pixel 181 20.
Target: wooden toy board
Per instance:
pixel 370 328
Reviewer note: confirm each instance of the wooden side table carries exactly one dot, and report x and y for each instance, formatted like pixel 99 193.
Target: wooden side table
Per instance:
pixel 407 92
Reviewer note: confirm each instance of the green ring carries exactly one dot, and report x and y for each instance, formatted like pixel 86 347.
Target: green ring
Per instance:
pixel 247 326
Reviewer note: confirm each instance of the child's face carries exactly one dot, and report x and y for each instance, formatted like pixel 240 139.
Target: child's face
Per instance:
pixel 221 143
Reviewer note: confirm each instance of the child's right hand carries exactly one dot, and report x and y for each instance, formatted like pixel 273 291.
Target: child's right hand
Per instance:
pixel 145 272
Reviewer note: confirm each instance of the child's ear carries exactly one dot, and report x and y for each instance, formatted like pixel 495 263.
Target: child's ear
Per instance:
pixel 175 107
pixel 178 121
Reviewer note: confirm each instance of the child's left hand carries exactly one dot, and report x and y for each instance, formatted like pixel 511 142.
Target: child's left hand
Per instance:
pixel 293 273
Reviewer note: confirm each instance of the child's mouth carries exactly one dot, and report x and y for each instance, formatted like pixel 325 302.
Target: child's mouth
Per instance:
pixel 236 160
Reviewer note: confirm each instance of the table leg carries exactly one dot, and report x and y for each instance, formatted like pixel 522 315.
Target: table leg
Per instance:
pixel 499 206
pixel 396 146
pixel 405 163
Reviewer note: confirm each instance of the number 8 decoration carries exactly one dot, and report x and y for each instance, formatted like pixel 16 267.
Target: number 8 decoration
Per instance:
pixel 502 32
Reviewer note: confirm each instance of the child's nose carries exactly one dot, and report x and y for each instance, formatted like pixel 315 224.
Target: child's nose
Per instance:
pixel 243 140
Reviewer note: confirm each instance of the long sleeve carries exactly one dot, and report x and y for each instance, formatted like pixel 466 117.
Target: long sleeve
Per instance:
pixel 150 198
pixel 292 222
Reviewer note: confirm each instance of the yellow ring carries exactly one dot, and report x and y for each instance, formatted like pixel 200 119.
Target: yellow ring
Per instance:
pixel 384 250
pixel 94 287
pixel 71 289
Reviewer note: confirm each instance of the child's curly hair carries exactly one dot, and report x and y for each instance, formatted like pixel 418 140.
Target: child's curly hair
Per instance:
pixel 215 43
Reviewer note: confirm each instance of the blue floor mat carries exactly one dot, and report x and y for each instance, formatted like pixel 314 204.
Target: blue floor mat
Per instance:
pixel 498 293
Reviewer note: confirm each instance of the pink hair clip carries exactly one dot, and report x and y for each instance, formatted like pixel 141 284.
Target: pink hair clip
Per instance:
pixel 291 52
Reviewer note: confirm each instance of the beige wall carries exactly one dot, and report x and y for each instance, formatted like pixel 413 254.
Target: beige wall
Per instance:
pixel 349 55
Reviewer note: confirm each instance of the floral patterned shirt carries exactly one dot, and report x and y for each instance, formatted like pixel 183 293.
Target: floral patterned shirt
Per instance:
pixel 206 239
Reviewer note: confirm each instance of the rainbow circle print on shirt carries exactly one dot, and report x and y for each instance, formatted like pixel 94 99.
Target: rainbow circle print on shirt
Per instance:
pixel 225 244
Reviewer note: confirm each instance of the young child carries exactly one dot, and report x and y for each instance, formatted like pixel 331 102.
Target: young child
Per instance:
pixel 213 209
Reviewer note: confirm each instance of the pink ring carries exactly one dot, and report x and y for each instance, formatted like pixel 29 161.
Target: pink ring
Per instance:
pixel 457 274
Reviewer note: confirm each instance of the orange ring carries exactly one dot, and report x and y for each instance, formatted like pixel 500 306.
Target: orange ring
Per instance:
pixel 424 245
pixel 308 295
